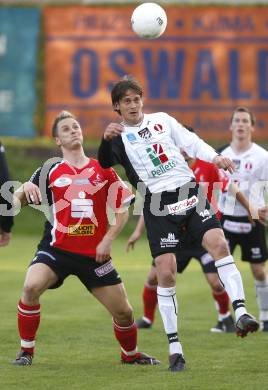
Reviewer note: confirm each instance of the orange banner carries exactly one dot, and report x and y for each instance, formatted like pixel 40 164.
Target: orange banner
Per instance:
pixel 209 60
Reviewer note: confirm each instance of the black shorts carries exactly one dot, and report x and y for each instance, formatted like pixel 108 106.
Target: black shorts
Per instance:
pixel 184 256
pixel 252 240
pixel 187 253
pixel 90 273
pixel 166 215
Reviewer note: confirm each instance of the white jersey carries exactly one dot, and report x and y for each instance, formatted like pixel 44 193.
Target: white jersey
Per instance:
pixel 153 151
pixel 251 175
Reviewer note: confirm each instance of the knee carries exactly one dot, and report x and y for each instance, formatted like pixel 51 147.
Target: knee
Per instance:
pixel 31 292
pixel 259 274
pixel 216 286
pixel 219 247
pixel 124 315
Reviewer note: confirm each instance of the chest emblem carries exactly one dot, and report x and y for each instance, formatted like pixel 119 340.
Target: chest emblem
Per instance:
pixel 145 133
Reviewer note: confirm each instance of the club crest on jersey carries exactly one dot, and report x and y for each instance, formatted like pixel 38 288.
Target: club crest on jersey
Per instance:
pixel 145 133
pixel 131 137
pixel 248 166
pixel 159 128
pixel 62 181
pixel 237 164
pixel 159 160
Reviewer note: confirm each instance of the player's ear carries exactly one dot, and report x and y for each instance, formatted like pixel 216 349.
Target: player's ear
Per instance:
pixel 57 140
pixel 116 106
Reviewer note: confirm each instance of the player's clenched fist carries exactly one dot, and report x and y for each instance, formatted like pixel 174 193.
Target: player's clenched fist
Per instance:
pixel 112 130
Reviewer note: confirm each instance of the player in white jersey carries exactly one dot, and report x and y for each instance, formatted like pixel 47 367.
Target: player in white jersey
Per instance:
pixel 251 174
pixel 148 146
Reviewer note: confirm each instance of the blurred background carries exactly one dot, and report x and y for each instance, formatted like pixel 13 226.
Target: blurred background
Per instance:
pixel 57 55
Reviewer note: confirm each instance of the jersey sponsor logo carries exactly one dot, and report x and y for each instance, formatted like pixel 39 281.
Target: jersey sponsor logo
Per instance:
pixel 80 182
pixel 104 269
pixel 183 205
pixel 237 227
pixel 80 207
pixel 145 133
pixel 159 160
pixel 159 128
pixel 81 230
pixel 62 181
pixel 169 242
pixel 131 137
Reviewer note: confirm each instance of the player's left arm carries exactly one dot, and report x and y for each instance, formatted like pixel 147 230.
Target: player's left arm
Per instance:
pixel 103 250
pixel 253 212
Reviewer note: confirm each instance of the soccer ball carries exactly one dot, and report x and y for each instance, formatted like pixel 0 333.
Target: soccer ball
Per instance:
pixel 149 20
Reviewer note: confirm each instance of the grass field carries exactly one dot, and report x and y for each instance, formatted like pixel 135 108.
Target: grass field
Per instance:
pixel 76 348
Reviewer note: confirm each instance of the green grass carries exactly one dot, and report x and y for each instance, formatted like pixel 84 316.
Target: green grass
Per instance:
pixel 76 348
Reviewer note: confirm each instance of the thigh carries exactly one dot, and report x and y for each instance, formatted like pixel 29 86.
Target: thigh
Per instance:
pixel 114 298
pixel 93 274
pixel 40 277
pixel 183 258
pixel 54 261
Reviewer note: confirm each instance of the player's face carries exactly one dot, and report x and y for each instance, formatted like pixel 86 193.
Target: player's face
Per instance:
pixel 130 107
pixel 241 126
pixel 69 134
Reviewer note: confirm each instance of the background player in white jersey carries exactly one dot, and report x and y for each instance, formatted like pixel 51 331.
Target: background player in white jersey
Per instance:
pixel 77 240
pixel 251 174
pixel 148 146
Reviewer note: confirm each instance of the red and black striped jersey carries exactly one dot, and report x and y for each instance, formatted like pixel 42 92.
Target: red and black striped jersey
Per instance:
pixel 78 201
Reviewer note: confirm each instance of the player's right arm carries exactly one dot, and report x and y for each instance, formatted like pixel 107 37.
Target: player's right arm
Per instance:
pixel 135 236
pixel 29 192
pixel 109 150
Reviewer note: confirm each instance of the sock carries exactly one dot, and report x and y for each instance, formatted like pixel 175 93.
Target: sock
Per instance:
pixel 262 298
pixel 127 338
pixel 28 323
pixel 232 282
pixel 149 302
pixel 168 307
pixel 222 304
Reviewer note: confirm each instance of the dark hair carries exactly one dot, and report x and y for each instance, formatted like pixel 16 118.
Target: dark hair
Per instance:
pixel 244 109
pixel 191 129
pixel 62 115
pixel 122 86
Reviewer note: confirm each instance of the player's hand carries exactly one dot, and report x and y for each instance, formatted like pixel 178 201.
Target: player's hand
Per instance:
pixel 112 130
pixel 32 193
pixel 4 238
pixel 132 239
pixel 224 163
pixel 103 250
pixel 263 215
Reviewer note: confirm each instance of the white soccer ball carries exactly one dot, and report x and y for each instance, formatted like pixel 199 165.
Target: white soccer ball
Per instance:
pixel 149 20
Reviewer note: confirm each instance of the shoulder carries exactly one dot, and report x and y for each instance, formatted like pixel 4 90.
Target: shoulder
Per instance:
pixel 259 149
pixel 223 149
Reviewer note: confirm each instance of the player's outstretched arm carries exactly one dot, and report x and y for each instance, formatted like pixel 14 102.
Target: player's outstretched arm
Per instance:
pixel 225 163
pixel 135 236
pixel 103 250
pixel 253 212
pixel 27 193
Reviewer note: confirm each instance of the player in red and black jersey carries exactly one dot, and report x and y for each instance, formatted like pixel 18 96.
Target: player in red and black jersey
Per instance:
pixel 6 219
pixel 77 240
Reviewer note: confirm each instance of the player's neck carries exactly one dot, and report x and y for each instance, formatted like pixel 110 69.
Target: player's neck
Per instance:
pixel 76 158
pixel 241 145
